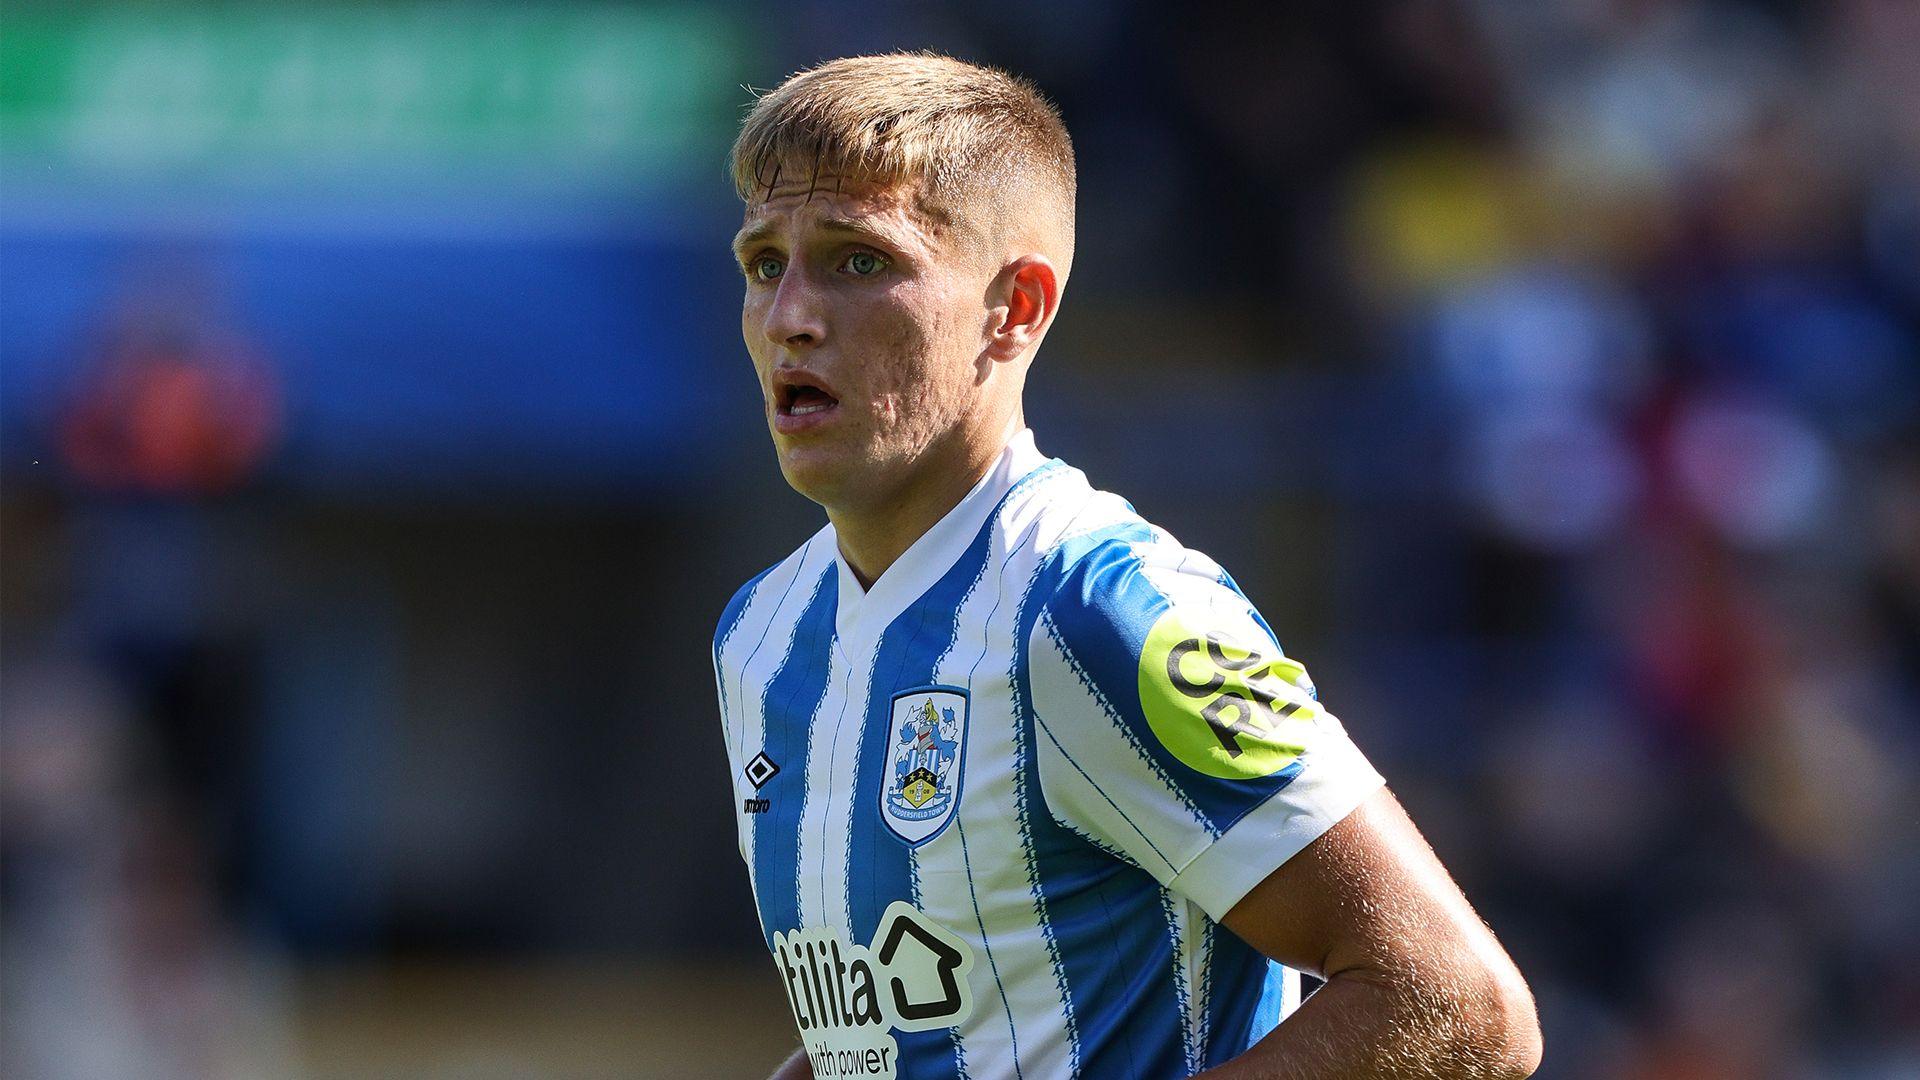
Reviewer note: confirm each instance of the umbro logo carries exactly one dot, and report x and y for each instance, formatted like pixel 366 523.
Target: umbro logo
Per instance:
pixel 760 770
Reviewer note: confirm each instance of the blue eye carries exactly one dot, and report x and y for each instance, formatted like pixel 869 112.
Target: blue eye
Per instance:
pixel 766 268
pixel 865 263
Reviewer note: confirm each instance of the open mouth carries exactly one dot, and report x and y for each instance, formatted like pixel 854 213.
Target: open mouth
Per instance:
pixel 801 400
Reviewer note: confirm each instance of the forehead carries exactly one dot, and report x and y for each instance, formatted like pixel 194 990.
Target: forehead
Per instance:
pixel 900 212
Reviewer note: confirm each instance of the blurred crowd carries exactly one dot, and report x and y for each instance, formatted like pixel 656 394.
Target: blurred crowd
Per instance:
pixel 1589 339
pixel 1626 561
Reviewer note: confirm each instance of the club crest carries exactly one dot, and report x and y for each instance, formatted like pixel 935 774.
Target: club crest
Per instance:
pixel 925 753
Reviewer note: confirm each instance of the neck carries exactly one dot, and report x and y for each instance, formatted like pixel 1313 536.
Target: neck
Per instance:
pixel 874 536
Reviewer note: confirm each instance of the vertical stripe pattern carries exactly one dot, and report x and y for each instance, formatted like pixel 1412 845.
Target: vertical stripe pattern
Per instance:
pixel 1072 831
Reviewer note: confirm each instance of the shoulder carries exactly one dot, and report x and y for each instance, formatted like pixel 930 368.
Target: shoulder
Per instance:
pixel 1140 597
pixel 775 577
pixel 1132 575
pixel 730 615
pixel 1104 564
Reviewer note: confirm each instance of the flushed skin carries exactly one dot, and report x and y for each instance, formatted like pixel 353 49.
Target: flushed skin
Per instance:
pixel 918 329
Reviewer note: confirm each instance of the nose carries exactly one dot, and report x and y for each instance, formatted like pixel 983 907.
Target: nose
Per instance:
pixel 796 317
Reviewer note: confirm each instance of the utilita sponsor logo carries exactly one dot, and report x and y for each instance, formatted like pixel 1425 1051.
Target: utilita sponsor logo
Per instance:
pixel 848 999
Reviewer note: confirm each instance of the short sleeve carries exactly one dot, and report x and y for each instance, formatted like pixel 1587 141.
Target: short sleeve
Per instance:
pixel 1170 729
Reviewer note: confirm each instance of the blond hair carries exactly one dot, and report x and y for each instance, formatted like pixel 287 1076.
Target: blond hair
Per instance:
pixel 967 133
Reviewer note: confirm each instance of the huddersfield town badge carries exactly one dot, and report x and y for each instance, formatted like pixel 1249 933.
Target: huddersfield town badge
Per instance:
pixel 926 750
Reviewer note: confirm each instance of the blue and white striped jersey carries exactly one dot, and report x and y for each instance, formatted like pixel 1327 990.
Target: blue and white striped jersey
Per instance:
pixel 993 808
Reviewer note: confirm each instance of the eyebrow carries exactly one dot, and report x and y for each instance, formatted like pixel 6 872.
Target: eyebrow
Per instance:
pixel 754 234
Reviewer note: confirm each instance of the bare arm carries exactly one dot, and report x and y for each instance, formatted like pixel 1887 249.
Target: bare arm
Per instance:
pixel 1416 985
pixel 796 1067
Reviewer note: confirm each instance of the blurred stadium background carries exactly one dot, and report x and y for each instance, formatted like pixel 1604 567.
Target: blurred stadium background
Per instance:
pixel 377 451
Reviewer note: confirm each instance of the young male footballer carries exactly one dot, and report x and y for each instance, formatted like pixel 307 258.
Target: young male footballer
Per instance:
pixel 1026 788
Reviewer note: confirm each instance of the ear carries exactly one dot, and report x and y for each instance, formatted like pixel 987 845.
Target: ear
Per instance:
pixel 1027 293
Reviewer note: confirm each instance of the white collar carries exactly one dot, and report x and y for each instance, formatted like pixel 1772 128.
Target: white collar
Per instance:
pixel 861 615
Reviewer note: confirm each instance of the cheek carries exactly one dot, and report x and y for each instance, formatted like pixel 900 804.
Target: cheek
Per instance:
pixel 919 367
pixel 752 317
pixel 923 386
pixel 894 362
pixel 752 325
pixel 947 349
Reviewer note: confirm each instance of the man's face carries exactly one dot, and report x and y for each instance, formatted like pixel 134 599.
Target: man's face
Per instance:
pixel 866 320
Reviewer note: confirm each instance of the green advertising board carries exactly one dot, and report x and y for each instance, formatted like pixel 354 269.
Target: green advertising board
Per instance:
pixel 567 96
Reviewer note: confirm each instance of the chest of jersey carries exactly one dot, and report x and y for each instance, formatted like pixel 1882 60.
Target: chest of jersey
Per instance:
pixel 900 853
pixel 882 838
pixel 965 846
pixel 882 789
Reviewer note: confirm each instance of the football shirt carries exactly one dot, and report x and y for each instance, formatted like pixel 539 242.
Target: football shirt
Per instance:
pixel 993 808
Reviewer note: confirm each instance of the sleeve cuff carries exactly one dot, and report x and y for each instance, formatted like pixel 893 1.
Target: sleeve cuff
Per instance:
pixel 1326 791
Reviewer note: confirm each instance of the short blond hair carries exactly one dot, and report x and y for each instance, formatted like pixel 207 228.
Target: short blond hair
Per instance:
pixel 965 131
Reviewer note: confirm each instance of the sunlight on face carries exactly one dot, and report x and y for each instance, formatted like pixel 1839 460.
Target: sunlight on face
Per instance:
pixel 866 323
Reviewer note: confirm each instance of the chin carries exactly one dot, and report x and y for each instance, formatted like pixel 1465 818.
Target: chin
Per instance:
pixel 836 477
pixel 820 477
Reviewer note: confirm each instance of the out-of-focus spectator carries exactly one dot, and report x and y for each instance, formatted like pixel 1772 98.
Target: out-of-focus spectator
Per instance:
pixel 1567 355
pixel 173 403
